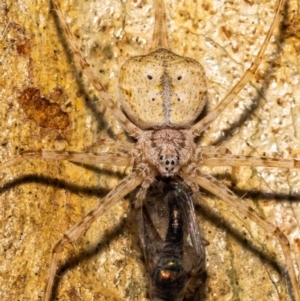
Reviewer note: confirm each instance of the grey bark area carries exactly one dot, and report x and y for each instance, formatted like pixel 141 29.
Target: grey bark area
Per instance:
pixel 40 200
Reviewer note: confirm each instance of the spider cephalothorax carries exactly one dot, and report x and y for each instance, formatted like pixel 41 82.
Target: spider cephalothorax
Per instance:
pixel 167 149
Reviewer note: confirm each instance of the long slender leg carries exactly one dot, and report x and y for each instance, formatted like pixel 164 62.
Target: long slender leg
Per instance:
pixel 120 159
pixel 127 185
pixel 160 33
pixel 202 125
pixel 234 160
pixel 221 191
pixel 106 98
pixel 113 145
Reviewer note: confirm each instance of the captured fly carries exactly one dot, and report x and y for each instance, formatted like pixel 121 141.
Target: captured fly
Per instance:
pixel 171 242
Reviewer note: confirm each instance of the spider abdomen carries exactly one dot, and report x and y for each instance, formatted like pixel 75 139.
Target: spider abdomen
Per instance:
pixel 162 89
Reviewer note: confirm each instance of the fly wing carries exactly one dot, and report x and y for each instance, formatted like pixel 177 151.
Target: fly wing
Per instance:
pixel 170 238
pixel 153 221
pixel 194 243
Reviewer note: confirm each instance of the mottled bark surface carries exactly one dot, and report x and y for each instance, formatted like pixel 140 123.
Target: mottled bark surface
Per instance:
pixel 40 200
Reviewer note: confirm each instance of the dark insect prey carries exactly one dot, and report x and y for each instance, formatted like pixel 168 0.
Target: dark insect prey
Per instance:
pixel 170 239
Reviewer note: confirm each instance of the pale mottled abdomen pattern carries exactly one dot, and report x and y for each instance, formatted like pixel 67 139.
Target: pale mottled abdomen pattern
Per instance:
pixel 162 89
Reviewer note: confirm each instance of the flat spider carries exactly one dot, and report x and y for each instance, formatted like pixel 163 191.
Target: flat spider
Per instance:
pixel 37 212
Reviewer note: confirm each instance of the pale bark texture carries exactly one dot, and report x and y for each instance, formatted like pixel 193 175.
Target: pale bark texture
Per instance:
pixel 40 200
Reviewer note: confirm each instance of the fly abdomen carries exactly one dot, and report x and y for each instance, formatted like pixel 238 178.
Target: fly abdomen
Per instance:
pixel 169 279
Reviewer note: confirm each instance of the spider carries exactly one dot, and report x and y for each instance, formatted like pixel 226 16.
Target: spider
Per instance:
pixel 40 201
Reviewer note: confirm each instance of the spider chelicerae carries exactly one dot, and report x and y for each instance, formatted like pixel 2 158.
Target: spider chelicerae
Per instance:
pixel 23 145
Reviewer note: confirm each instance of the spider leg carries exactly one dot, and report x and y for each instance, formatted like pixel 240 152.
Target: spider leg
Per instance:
pixel 160 33
pixel 221 191
pixel 120 159
pixel 130 128
pixel 203 124
pixel 125 186
pixel 237 161
pixel 119 146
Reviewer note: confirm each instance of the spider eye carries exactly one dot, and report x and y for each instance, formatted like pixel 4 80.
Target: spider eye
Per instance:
pixel 179 77
pixel 149 76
